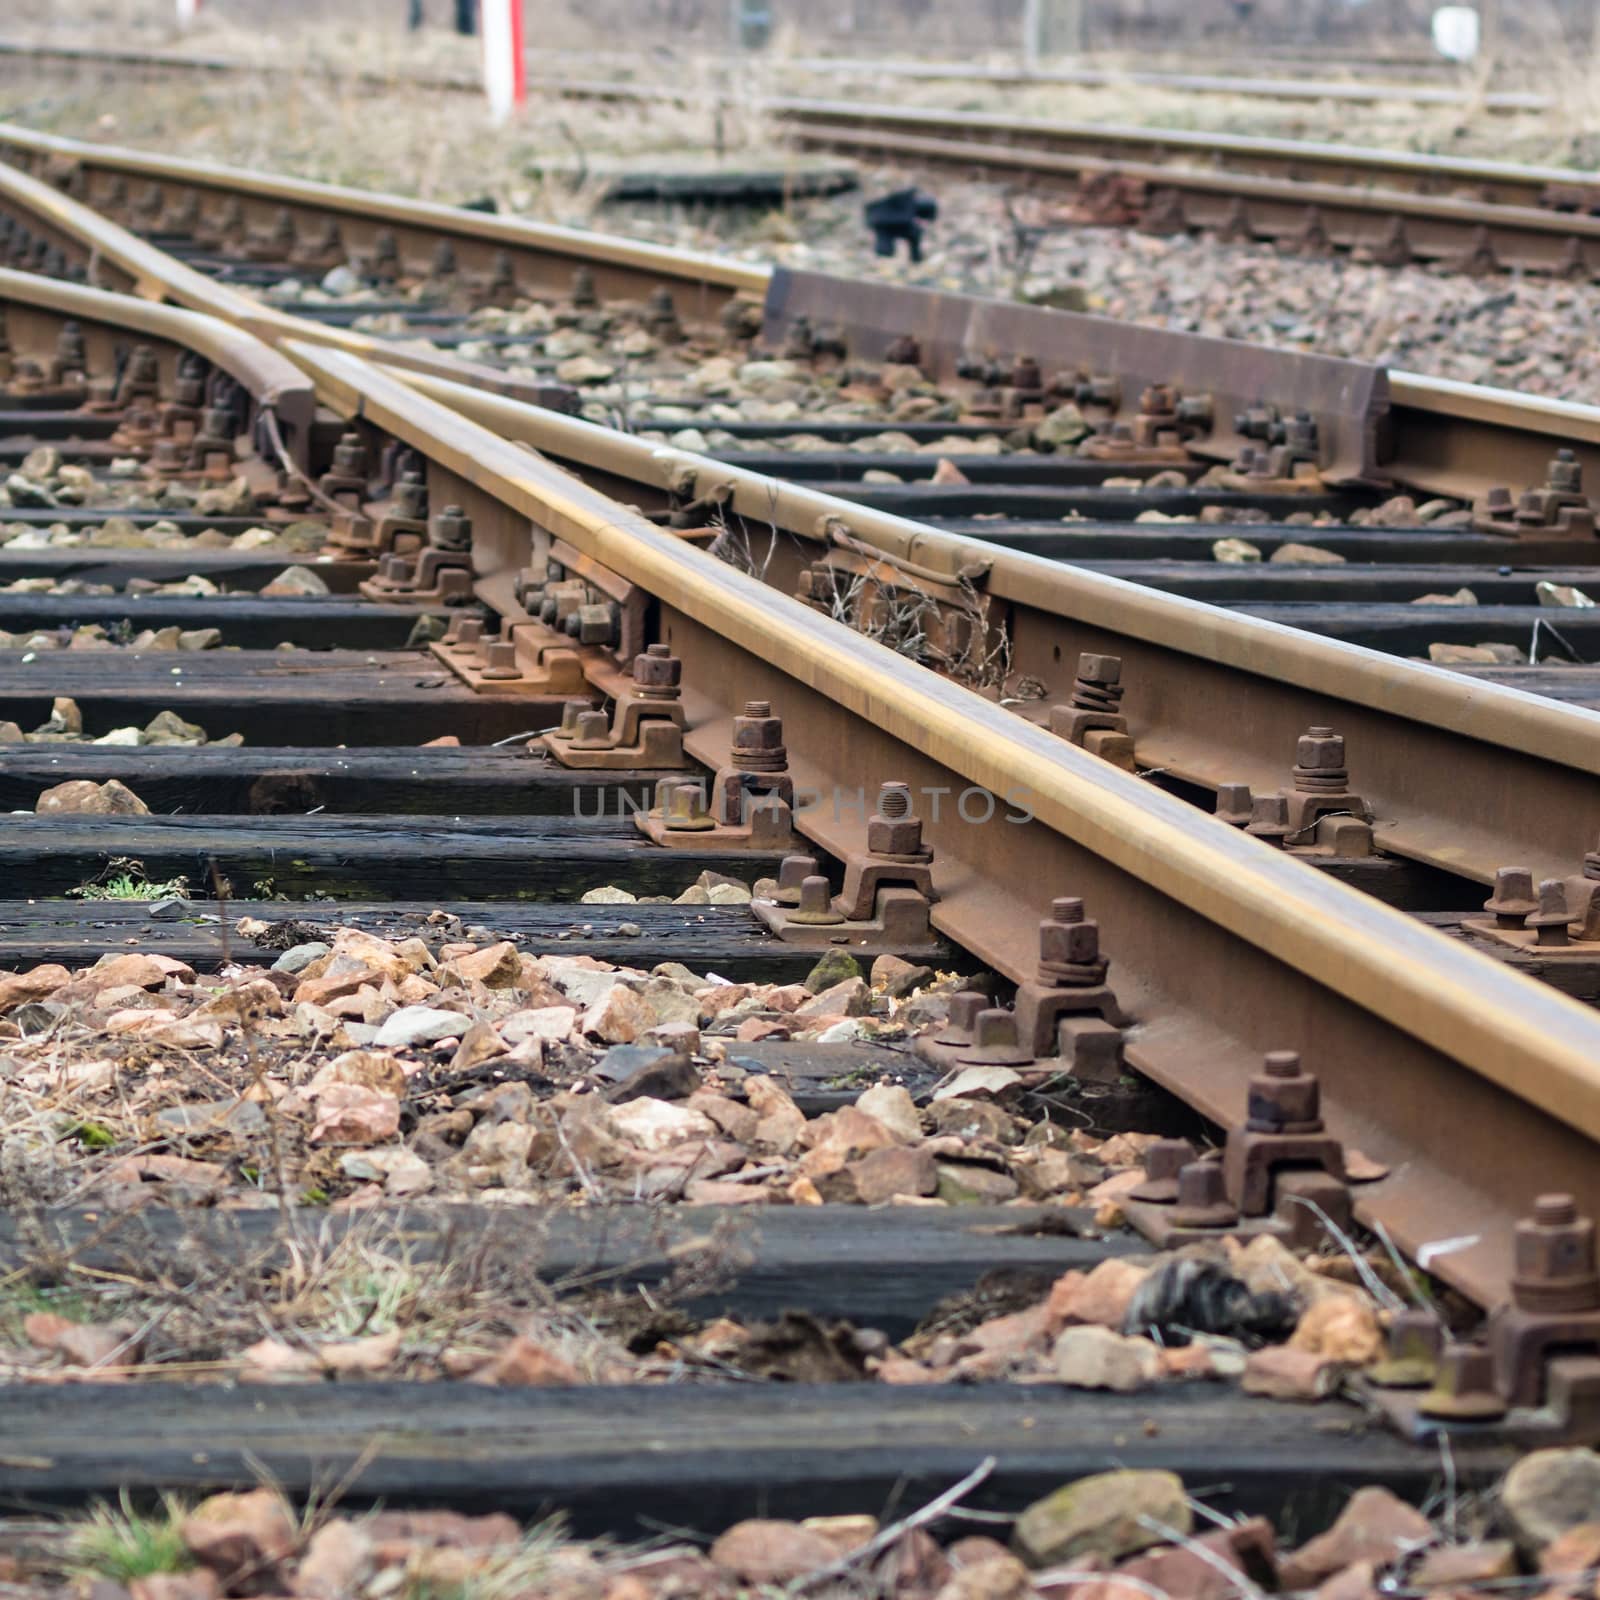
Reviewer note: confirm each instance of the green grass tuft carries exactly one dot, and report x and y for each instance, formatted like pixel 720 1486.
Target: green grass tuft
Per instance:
pixel 120 1543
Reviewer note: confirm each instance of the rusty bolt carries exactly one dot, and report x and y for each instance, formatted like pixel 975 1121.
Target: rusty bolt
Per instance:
pixel 1300 432
pixel 1234 805
pixel 1412 1348
pixel 1283 1098
pixel 593 731
pixel 1513 900
pixel 892 830
pixel 1098 684
pixel 757 744
pixel 411 496
pixel 1463 1389
pixel 143 375
pixel 1025 374
pixel 961 1018
pixel 597 623
pixel 1554 1258
pixel 1202 1201
pixel 1159 400
pixel 1499 502
pixel 661 314
pixel 1565 473
pixel 1269 818
pixel 685 810
pixel 584 294
pixel 994 1039
pixel 570 712
pixel 469 631
pixel 396 569
pixel 500 660
pixel 658 672
pixel 903 351
pixel 444 259
pixel 350 456
pixel 1164 1160
pixel 451 529
pixel 71 351
pixel 1096 391
pixel 1320 750
pixel 1068 939
pixel 1551 919
pixel 815 908
pixel 792 873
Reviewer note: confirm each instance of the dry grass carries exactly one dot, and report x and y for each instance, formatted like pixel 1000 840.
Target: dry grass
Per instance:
pixel 193 1298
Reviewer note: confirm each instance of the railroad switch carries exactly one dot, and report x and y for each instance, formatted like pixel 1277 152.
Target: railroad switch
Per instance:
pixel 645 728
pixel 440 573
pixel 1559 510
pixel 752 797
pixel 887 891
pixel 1093 718
pixel 1280 1171
pixel 1537 1369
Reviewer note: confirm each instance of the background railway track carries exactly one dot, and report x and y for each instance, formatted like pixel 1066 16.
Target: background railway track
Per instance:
pixel 1220 949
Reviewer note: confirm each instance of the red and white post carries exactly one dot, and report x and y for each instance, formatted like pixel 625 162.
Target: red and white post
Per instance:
pixel 188 10
pixel 505 76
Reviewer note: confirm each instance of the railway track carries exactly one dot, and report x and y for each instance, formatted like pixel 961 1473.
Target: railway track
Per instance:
pixel 1227 803
pixel 1313 84
pixel 1393 207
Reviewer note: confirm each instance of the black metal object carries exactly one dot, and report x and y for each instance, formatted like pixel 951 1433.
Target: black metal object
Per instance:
pixel 898 216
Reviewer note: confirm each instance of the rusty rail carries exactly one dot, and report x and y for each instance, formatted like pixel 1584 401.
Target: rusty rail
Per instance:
pixel 1226 948
pixel 1222 947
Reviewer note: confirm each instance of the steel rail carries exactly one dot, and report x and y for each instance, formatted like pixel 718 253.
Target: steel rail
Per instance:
pixel 545 254
pixel 1221 946
pixel 274 383
pixel 117 259
pixel 1437 227
pixel 1532 804
pixel 1463 775
pixel 1356 165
